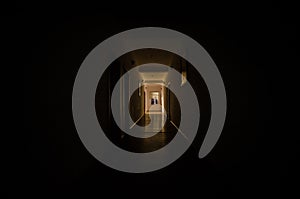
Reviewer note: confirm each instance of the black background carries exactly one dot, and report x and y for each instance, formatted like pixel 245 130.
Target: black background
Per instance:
pixel 250 45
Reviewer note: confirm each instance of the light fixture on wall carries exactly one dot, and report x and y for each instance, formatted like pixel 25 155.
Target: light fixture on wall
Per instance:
pixel 140 87
pixel 183 73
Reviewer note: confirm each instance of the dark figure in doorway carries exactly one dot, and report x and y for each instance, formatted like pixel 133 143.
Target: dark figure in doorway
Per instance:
pixel 154 101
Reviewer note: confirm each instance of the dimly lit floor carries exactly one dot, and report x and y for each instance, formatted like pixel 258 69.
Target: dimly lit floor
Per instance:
pixel 155 142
